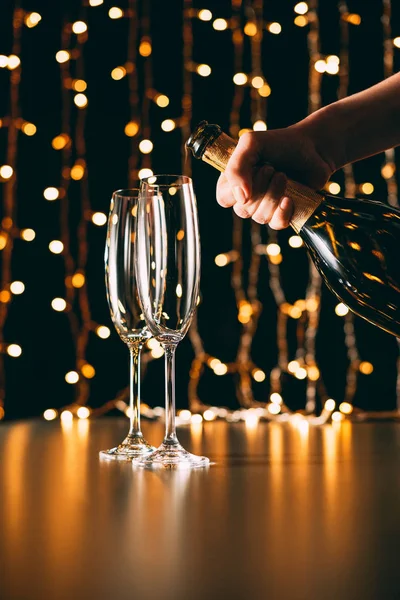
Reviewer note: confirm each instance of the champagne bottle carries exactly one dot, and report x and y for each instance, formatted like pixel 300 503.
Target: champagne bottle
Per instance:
pixel 354 243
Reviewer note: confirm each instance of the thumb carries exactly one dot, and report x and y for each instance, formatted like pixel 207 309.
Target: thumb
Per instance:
pixel 240 168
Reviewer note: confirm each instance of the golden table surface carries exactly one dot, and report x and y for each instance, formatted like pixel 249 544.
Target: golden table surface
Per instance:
pixel 287 512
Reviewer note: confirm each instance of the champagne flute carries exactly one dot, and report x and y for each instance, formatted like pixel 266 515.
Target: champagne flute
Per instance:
pixel 125 311
pixel 167 258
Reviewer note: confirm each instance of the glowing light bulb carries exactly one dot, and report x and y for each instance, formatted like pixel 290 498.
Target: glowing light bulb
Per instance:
pixel 209 415
pixel 330 405
pixel 66 416
pixel 221 260
pixel 58 304
pixel 56 246
pixel 203 70
pixel 274 409
pixel 250 29
pixel 240 78
pixel 28 235
pixel 99 219
pixel 72 377
pixel 264 90
pixel 274 28
pixel 388 170
pixel 62 56
pixel 293 366
pixel 95 2
pixel 83 412
pixel 367 188
pixel 131 128
pixel 60 141
pixel 301 373
pixel 301 21
pixel 257 82
pixel 168 125
pixel 352 18
pixel 118 73
pixel 6 172
pixel 51 193
pixel 332 68
pixel 3 61
pixel 341 309
pixel 396 42
pixel 13 62
pixel 50 414
pixel 162 100
pixel 295 241
pixel 260 126
pixel 143 173
pixel 346 408
pixel 301 8
pixel 17 288
pixel 77 172
pixel 366 368
pixel 313 373
pixel 145 48
pixel 78 280
pixel 320 66
pixel 14 350
pixel 337 416
pixel 32 19
pixel 333 187
pixel 88 371
pixel 258 375
pixel 29 129
pixel 79 85
pixel 244 130
pixel 5 296
pixel 196 419
pixel 273 249
pixel 146 146
pixel 103 332
pixel 220 369
pixel 79 27
pixel 80 100
pixel 276 398
pixel 220 24
pixel 115 12
pixel 204 14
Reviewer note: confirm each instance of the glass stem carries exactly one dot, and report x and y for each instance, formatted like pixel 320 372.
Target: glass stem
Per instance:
pixel 135 350
pixel 170 428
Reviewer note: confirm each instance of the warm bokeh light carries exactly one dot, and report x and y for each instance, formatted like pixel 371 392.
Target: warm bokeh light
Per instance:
pixel 341 309
pixel 5 296
pixel 103 332
pixel 396 42
pixel 388 170
pixel 95 2
pixel 28 129
pixel 320 66
pixel 66 416
pixel 332 68
pixel 257 82
pixel 209 415
pixel 274 409
pixel 346 408
pixel 300 373
pixel 99 219
pixel 131 128
pixel 196 419
pixel 220 369
pixel 88 371
pixel 240 78
pixel 58 304
pixel 162 100
pixel 56 246
pixel 203 70
pixel 14 350
pixel 72 377
pixel 79 85
pixel 143 173
pixel 78 280
pixel 146 146
pixel 115 12
pixel 295 241
pixel 60 141
pixel 250 29
pixel 337 416
pixel 79 27
pixel 50 414
pixel 28 235
pixel 260 125
pixel 80 100
pixel 293 366
pixel 301 21
pixel 3 61
pixel 220 24
pixel 17 287
pixel 313 373
pixel 366 368
pixel 367 188
pixel 168 125
pixel 264 90
pixel 276 398
pixel 32 19
pixel 13 62
pixel 83 412
pixel 77 172
pixel 333 187
pixel 51 193
pixel 118 73
pixel 145 48
pixel 221 260
pixel 62 56
pixel 258 375
pixel 6 172
pixel 330 405
pixel 301 8
pixel 274 28
pixel 205 14
pixel 273 249
pixel 352 18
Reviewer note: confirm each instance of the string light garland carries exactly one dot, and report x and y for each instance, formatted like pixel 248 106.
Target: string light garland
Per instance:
pixel 247 27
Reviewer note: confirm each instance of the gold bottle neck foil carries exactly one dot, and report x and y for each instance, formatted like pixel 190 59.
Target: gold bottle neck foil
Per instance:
pixel 305 200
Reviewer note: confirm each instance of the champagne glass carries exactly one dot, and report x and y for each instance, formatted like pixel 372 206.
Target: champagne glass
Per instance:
pixel 125 311
pixel 167 258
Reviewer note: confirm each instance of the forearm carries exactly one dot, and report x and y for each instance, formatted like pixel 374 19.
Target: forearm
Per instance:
pixel 358 126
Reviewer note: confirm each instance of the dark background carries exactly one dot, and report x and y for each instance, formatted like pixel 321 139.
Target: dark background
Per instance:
pixel 35 381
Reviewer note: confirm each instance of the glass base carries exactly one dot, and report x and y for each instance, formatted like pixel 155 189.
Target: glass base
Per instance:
pixel 133 446
pixel 172 456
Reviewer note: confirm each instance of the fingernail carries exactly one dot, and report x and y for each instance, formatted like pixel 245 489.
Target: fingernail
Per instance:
pixel 239 195
pixel 285 203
